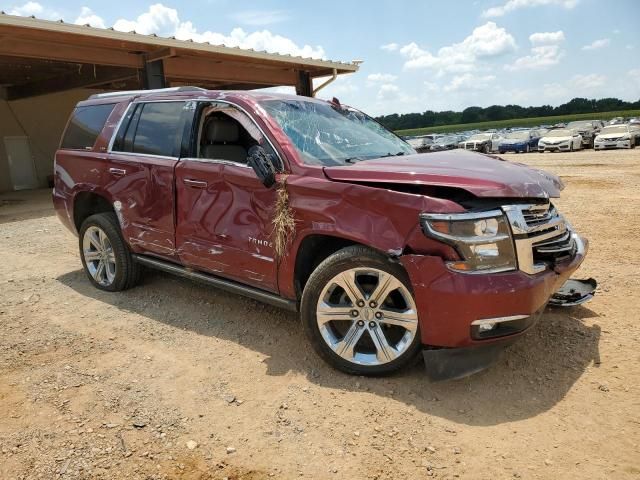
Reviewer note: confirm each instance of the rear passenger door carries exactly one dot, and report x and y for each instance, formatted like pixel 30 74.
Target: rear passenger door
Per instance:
pixel 142 159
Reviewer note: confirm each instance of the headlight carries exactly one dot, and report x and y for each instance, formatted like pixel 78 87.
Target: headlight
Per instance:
pixel 541 143
pixel 482 239
pixel 626 137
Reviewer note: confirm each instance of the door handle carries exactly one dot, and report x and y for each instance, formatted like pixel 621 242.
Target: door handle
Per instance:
pixel 195 183
pixel 118 172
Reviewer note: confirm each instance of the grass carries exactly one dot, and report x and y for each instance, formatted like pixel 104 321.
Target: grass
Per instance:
pixel 518 122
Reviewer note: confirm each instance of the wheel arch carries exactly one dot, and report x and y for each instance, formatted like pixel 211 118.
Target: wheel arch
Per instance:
pixel 312 250
pixel 86 204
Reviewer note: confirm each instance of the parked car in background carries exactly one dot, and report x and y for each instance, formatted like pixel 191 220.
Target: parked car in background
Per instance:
pixel 459 254
pixel 617 136
pixel 448 142
pixel 560 140
pixel 482 142
pixel 422 143
pixel 616 121
pixel 520 141
pixel 588 129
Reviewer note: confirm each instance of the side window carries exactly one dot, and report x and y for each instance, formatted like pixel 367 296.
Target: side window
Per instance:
pixel 85 125
pixel 227 133
pixel 153 129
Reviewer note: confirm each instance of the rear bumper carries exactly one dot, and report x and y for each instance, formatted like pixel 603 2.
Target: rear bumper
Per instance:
pixel 451 305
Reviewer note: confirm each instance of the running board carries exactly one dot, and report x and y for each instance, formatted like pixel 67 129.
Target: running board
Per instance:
pixel 223 284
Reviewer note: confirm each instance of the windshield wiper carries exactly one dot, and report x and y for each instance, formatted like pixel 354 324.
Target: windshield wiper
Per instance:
pixel 353 159
pixel 399 154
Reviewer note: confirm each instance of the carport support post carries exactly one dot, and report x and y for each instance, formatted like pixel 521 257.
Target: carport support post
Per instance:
pixel 154 75
pixel 304 86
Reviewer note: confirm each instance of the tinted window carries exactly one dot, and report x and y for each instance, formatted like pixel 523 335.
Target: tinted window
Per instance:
pixel 158 129
pixel 85 125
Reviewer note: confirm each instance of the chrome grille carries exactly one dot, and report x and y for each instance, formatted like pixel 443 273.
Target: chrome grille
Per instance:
pixel 542 236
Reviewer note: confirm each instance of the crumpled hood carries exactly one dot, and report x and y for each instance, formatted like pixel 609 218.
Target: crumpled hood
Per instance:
pixel 481 175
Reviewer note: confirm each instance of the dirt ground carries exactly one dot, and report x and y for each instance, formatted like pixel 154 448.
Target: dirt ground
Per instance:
pixel 176 380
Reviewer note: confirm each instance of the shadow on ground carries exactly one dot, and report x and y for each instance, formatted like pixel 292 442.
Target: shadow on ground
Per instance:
pixel 531 377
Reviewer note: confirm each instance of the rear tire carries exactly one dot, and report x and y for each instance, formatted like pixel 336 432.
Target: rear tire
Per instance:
pixel 105 256
pixel 359 313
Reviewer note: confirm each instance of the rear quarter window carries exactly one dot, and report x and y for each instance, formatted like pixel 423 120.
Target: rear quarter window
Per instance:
pixel 85 125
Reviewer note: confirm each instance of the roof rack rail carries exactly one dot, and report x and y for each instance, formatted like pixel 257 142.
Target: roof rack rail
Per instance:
pixel 142 92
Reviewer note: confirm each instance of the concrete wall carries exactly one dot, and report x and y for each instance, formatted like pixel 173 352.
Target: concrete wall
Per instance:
pixel 42 119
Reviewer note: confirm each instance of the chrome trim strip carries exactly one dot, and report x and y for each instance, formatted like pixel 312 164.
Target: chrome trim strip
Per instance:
pixel 453 217
pixel 216 161
pixel 513 318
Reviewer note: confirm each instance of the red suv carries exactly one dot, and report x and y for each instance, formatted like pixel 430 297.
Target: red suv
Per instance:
pixel 315 207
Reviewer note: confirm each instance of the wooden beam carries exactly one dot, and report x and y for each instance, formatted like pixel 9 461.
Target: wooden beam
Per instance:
pixel 304 84
pixel 195 69
pixel 89 76
pixel 17 47
pixel 160 54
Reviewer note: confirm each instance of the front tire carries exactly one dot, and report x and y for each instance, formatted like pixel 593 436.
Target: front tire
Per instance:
pixel 359 313
pixel 106 258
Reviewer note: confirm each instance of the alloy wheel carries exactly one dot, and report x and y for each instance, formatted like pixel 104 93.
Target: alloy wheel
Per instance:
pixel 99 256
pixel 367 316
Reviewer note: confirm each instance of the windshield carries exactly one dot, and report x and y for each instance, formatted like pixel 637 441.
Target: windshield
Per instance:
pixel 560 133
pixel 614 129
pixel 480 136
pixel 523 135
pixel 325 135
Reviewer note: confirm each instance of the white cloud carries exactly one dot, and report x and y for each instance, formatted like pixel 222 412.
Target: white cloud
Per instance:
pixel 487 40
pixel 388 91
pixel 260 17
pixel 390 47
pixel 634 74
pixel 546 38
pixel 512 5
pixel 587 85
pixel 28 9
pixel 431 86
pixel 588 82
pixel 468 81
pixel 34 9
pixel 381 78
pixel 88 17
pixel 165 21
pixel 596 44
pixel 541 57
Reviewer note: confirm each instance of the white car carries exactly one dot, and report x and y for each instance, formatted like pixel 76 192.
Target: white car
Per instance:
pixel 617 136
pixel 560 140
pixel 482 142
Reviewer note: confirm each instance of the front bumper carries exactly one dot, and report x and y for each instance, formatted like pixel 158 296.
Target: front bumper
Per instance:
pixel 449 302
pixel 611 145
pixel 555 148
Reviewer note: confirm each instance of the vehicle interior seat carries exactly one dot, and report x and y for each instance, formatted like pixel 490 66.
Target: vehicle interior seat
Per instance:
pixel 222 140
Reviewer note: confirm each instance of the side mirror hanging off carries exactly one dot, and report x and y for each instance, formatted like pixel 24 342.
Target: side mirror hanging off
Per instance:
pixel 261 162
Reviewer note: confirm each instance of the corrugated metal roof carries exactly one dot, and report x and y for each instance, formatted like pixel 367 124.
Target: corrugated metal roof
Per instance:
pixel 152 39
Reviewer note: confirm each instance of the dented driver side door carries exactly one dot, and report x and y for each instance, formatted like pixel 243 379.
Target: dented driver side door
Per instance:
pixel 223 212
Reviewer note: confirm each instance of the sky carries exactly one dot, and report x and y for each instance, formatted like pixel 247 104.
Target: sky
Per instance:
pixel 417 56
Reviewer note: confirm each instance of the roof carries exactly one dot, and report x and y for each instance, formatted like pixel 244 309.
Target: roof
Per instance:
pixel 134 42
pixel 189 92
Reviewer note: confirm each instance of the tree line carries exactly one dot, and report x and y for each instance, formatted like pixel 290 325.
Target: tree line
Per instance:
pixel 502 112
